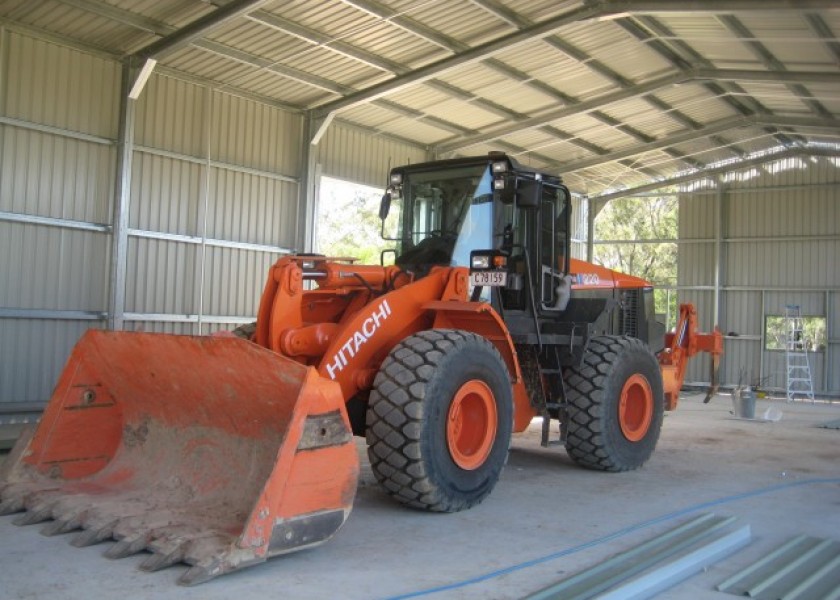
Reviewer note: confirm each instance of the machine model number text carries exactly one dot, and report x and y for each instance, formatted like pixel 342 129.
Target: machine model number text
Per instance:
pixel 588 279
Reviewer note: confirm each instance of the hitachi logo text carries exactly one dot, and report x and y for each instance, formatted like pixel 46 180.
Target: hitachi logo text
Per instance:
pixel 351 347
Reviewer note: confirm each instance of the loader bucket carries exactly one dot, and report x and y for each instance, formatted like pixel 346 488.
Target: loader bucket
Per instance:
pixel 209 451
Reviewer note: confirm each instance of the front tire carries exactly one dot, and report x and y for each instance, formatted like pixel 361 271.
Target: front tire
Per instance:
pixel 439 420
pixel 616 405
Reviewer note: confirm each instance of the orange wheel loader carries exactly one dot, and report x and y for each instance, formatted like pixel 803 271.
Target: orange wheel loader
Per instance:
pixel 222 452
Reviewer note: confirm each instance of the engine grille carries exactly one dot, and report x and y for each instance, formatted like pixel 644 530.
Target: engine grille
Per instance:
pixel 630 306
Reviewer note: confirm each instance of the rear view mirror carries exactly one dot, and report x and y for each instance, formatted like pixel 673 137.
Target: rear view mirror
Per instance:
pixel 504 196
pixel 385 205
pixel 528 193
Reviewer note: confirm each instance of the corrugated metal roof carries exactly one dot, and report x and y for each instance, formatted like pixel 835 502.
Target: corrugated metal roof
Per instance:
pixel 419 131
pixel 639 77
pixel 776 97
pixel 177 13
pixel 697 102
pixel 645 117
pixel 201 63
pixel 372 115
pixel 469 116
pixel 616 48
pixel 516 96
pixel 472 77
pixel 272 85
pixel 461 21
pixel 78 24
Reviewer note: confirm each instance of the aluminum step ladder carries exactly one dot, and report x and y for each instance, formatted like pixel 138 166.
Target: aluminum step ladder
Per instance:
pixel 796 356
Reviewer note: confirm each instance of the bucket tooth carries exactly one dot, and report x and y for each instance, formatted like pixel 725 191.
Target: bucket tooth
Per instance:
pixel 10 506
pixel 212 557
pixel 204 549
pixel 61 526
pixel 89 537
pixel 36 514
pixel 200 574
pixel 18 497
pixel 183 545
pixel 128 546
pixel 68 515
pixel 161 560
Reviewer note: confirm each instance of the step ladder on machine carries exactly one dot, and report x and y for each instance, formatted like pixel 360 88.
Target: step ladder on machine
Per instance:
pixel 796 356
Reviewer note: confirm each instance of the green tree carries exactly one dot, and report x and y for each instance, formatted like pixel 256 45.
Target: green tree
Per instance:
pixel 626 220
pixel 348 223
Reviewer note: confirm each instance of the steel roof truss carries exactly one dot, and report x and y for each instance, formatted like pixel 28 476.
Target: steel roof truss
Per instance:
pixel 742 32
pixel 183 37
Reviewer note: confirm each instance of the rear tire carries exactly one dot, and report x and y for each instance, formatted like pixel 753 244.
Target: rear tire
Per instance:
pixel 616 405
pixel 246 332
pixel 439 420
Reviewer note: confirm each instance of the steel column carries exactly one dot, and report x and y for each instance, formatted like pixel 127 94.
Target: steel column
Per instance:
pixel 590 229
pixel 203 208
pixel 122 200
pixel 718 272
pixel 826 366
pixel 763 336
pixel 308 186
pixel 4 70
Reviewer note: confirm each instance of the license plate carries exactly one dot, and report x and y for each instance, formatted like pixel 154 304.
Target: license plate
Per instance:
pixel 488 278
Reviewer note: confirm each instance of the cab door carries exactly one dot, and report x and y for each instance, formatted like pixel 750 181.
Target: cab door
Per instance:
pixel 553 243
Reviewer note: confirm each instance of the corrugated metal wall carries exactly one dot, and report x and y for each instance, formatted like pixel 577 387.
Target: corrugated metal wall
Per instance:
pixel 213 202
pixel 58 117
pixel 348 153
pixel 780 244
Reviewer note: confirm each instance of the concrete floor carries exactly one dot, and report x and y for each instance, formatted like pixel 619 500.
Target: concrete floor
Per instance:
pixel 543 505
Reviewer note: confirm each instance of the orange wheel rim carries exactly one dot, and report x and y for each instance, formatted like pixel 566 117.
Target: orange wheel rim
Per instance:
pixel 471 425
pixel 635 408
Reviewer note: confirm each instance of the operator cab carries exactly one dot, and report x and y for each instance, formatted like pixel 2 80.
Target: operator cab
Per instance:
pixel 507 223
pixel 443 208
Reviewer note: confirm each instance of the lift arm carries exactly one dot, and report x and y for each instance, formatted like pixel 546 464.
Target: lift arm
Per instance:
pixel 683 344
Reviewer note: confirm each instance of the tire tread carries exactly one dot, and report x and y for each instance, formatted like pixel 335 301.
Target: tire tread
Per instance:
pixel 395 419
pixel 586 442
